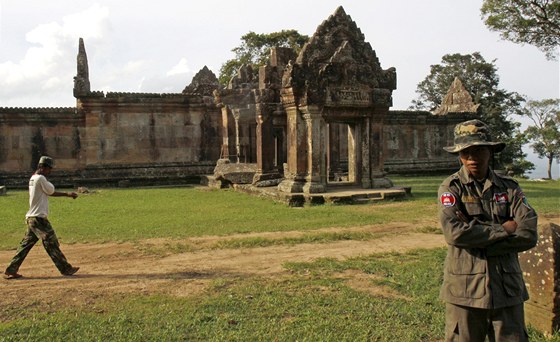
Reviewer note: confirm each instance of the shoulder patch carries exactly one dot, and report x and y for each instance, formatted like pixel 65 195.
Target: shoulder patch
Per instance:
pixel 501 197
pixel 523 199
pixel 447 199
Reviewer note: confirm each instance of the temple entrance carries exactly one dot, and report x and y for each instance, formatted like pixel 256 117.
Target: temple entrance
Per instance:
pixel 319 114
pixel 341 166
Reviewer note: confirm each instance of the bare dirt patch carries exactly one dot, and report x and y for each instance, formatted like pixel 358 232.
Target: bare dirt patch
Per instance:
pixel 111 269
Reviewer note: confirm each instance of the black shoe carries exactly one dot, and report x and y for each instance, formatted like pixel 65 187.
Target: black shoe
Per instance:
pixel 12 275
pixel 71 271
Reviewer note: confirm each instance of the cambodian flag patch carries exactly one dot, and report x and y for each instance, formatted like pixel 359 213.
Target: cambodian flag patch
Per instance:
pixel 447 199
pixel 501 197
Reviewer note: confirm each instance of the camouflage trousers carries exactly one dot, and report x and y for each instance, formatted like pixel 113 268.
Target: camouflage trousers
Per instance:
pixel 39 228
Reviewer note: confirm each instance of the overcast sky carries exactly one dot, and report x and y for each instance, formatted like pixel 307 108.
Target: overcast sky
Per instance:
pixel 157 46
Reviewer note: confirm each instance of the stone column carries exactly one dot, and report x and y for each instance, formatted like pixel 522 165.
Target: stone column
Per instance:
pixel 316 179
pixel 333 161
pixel 355 170
pixel 541 271
pixel 236 117
pixel 378 179
pixel 296 138
pixel 366 151
pixel 225 133
pixel 266 149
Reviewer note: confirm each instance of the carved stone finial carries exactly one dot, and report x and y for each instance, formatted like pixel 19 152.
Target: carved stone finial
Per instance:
pixel 81 80
pixel 203 83
pixel 457 100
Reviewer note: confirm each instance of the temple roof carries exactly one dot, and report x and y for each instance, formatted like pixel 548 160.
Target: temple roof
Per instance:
pixel 457 100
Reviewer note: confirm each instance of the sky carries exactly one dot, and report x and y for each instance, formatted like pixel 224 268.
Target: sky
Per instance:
pixel 157 46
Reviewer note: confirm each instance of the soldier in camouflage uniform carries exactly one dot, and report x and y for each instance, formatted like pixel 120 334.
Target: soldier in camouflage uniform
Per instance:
pixel 38 225
pixel 486 221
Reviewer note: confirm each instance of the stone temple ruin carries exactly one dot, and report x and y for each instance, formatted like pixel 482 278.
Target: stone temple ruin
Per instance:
pixel 307 124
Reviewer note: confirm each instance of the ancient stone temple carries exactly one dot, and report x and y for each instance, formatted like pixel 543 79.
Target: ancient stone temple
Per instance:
pixel 323 116
pixel 336 80
pixel 301 124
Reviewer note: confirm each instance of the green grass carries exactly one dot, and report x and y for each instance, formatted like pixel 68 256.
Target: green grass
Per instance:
pixel 136 214
pixel 314 302
pixel 316 306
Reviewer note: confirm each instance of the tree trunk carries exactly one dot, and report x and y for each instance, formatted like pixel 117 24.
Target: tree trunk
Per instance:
pixel 550 160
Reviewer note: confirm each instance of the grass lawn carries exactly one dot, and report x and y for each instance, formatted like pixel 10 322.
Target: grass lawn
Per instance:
pixel 135 214
pixel 313 302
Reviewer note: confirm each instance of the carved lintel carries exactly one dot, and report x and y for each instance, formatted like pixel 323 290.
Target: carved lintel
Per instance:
pixel 348 97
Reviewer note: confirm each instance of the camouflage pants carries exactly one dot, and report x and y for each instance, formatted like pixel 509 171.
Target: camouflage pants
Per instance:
pixel 39 228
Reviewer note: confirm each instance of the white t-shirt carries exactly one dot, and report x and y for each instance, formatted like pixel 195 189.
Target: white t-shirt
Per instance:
pixel 39 190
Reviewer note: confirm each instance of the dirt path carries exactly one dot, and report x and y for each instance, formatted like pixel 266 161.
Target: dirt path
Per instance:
pixel 122 268
pixel 142 268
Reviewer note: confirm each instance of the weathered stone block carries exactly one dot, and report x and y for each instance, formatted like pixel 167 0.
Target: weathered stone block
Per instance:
pixel 3 190
pixel 235 173
pixel 125 183
pixel 541 266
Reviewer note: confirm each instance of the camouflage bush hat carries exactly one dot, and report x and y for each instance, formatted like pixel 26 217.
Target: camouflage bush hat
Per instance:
pixel 473 133
pixel 46 161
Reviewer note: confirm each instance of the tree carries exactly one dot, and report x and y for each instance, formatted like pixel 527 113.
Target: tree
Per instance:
pixel 535 22
pixel 255 50
pixel 480 78
pixel 545 133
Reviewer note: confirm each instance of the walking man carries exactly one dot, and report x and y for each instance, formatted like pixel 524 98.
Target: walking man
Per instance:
pixel 486 221
pixel 38 225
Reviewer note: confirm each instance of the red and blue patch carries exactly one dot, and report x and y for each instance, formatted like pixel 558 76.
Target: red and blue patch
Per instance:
pixel 501 198
pixel 447 199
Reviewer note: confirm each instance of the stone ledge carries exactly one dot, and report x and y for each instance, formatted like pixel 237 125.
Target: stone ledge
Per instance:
pixel 334 195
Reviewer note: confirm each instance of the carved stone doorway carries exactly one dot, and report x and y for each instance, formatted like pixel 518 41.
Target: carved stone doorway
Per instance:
pixel 343 152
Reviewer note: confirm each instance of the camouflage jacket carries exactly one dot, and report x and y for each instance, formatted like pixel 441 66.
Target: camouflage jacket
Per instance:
pixel 481 268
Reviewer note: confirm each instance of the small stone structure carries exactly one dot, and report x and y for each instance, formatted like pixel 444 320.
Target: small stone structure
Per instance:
pixel 336 78
pixel 541 270
pixel 457 100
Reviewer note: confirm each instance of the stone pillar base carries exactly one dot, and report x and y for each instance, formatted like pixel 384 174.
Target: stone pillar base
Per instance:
pixel 314 188
pixel 267 179
pixel 381 183
pixel 291 186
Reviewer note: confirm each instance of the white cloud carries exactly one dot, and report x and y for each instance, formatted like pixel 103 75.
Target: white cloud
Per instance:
pixel 181 68
pixel 53 83
pixel 91 23
pixel 53 52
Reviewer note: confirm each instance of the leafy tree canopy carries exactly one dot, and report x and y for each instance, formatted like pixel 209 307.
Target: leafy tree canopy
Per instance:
pixel 255 50
pixel 544 133
pixel 480 78
pixel 535 22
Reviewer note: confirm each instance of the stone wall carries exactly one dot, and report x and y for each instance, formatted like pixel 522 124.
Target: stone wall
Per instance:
pixel 414 142
pixel 144 138
pixel 27 133
pixel 173 138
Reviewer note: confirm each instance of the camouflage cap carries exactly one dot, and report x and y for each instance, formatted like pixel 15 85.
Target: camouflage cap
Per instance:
pixel 46 161
pixel 473 133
